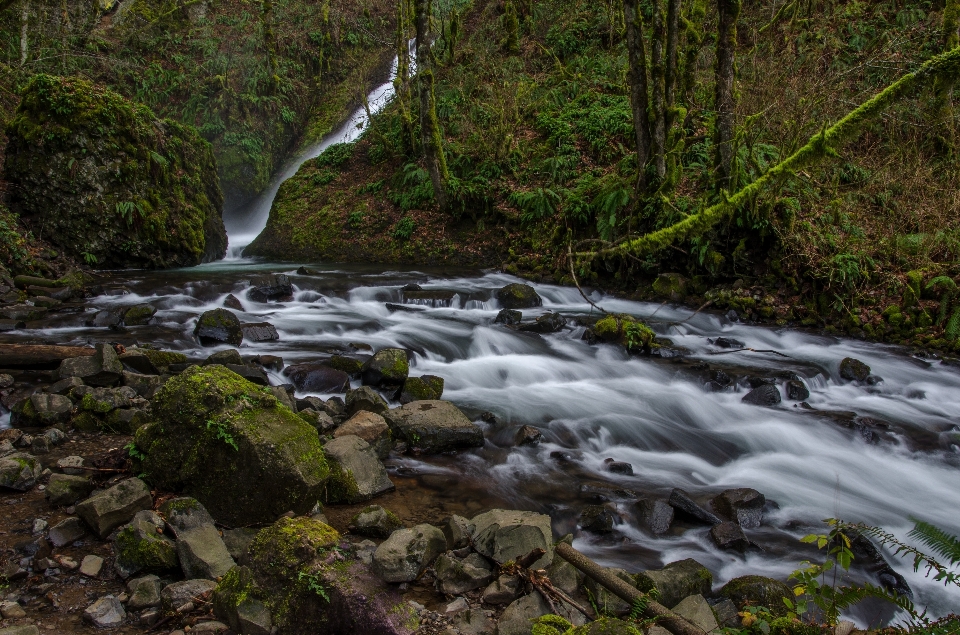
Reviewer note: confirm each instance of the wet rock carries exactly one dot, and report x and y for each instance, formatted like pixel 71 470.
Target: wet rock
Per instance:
pixel 517 617
pixel 64 386
pixel 232 302
pixel 388 367
pixel 175 595
pixel 421 388
pixel 407 552
pixel 260 332
pixel 508 317
pixel 797 390
pixel 434 426
pixel 756 382
pixel 91 566
pixel 144 592
pixel 218 326
pixel 686 506
pixel 755 590
pixel 853 369
pixel 107 612
pixel 869 556
pixel 547 323
pixel 256 376
pixel 317 377
pixel 19 471
pixel 65 489
pixel 356 474
pixel 283 464
pixel 618 467
pixel 696 609
pixel 503 590
pixel 742 505
pixel 115 506
pixel 656 514
pixel 238 542
pixel 606 600
pixel 66 532
pixel 527 435
pixel 729 535
pixel 518 296
pixel 598 519
pixel 457 532
pixel 503 535
pixel 375 522
pixel 456 576
pixel 41 410
pixel 103 368
pixel 765 395
pixel 728 342
pixel 370 427
pixel 227 357
pixel 278 288
pixel 202 553
pixel 139 315
pixel 141 546
pixel 676 581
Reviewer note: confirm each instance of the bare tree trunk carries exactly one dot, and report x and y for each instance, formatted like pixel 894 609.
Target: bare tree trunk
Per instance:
pixel 639 99
pixel 24 24
pixel 429 128
pixel 725 101
pixel 658 91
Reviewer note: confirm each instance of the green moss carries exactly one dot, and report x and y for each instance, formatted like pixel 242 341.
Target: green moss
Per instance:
pixel 234 587
pixel 291 542
pixel 342 486
pixel 150 553
pixel 90 404
pixel 348 365
pixel 86 422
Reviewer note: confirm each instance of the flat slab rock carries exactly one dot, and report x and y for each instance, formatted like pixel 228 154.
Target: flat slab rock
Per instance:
pixel 434 426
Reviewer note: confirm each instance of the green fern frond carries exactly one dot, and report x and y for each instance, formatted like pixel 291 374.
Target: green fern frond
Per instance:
pixel 945 545
pixel 944 282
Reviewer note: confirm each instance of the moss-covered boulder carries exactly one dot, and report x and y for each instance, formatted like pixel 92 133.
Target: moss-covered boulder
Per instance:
pixel 389 367
pixel 309 586
pixel 757 590
pixel 625 330
pixel 518 296
pixel 421 388
pixel 218 326
pixel 142 547
pixel 110 184
pixel 233 447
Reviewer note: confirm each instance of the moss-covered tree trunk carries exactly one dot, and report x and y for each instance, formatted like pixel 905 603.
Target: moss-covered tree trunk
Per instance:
pixel 725 101
pixel 942 119
pixel 658 73
pixel 511 24
pixel 269 43
pixel 693 30
pixel 402 80
pixel 639 99
pixel 429 127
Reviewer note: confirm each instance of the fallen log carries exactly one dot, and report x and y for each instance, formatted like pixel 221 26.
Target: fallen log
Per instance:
pixel 39 356
pixel 664 616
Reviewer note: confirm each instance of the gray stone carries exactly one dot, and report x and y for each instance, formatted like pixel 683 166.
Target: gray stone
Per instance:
pixel 696 609
pixel 210 626
pixel 676 581
pixel 145 385
pixel 218 326
pixel 107 612
pixel 356 474
pixel 473 621
pixel 565 576
pixel 185 513
pixel 425 387
pixel 12 611
pixel 175 595
pixel 655 514
pixel 202 553
pixel 19 471
pixel 365 398
pixel 225 357
pixel 460 604
pixel 388 368
pixel 259 332
pixel 39 526
pixel 277 287
pixel 686 506
pixel 66 532
pixel 91 566
pixel 65 489
pixel 546 323
pixel 64 386
pixel 607 602
pixel 144 592
pixel 726 613
pixel 457 532
pixel 40 445
pixel 138 362
pixel 518 618
pixel 756 590
pixel 729 535
pixel 434 426
pixel 598 519
pixel 55 436
pixel 370 427
pixel 852 369
pixel 456 576
pixel 141 546
pixel 238 541
pixel 103 368
pixel 139 314
pixel 254 618
pixel 375 521
pixel 48 409
pixel 23 629
pixel 765 395
pixel 503 590
pixel 317 377
pixel 518 296
pixel 109 509
pixel 509 317
pixel 741 505
pixel 527 435
pixel 797 390
pixel 503 535
pixel 407 552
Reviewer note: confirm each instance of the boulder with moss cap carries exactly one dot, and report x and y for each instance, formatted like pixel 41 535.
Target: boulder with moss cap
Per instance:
pixel 518 296
pixel 356 474
pixel 388 367
pixel 233 447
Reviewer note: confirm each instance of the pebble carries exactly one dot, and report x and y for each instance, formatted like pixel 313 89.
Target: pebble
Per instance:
pixel 39 526
pixel 90 566
pixel 67 562
pixel 457 605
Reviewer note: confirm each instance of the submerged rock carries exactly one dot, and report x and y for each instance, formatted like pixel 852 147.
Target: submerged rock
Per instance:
pixel 765 395
pixel 547 323
pixel 518 296
pixel 742 505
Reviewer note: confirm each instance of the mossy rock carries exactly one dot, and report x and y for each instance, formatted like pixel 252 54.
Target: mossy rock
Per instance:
pixel 348 365
pixel 518 296
pixel 87 422
pixel 757 590
pixel 421 388
pixel 627 331
pixel 387 367
pixel 233 447
pixel 671 286
pixel 106 181
pixel 163 359
pixel 139 315
pixel 139 546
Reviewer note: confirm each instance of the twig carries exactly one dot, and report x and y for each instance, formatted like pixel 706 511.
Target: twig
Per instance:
pixel 752 350
pixel 577 282
pixel 702 307
pixel 658 309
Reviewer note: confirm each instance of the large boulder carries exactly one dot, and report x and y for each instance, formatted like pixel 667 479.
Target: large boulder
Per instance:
pixel 203 553
pixel 232 446
pixel 317 377
pixel 676 581
pixel 757 590
pixel 518 296
pixel 108 183
pixel 142 547
pixel 19 471
pixel 219 326
pixel 276 287
pixel 456 576
pixel 505 534
pixel 388 367
pixel 115 506
pixel 852 369
pixel 356 474
pixel 103 368
pixel 407 552
pixel 41 410
pixel 434 426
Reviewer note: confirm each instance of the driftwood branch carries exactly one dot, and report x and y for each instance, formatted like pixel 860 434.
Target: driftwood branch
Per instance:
pixel 39 356
pixel 664 616
pixel 577 282
pixel 752 350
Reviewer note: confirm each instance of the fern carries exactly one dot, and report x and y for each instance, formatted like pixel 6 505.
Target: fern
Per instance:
pixel 940 542
pixel 943 282
pixel 952 329
pixel 939 570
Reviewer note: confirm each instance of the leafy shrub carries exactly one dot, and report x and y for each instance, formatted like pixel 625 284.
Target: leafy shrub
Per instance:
pixel 404 228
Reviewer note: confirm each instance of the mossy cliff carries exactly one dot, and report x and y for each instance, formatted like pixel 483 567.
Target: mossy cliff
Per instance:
pixel 233 447
pixel 108 182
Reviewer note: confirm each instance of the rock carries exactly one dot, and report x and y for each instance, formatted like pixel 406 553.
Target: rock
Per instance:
pixel 376 522
pixel 277 287
pixel 729 535
pixel 686 506
pixel 175 595
pixel 517 618
pixel 210 626
pixel 407 552
pixel 503 535
pixel 226 357
pixel 283 465
pixel 475 622
pixel 606 600
pixel 39 526
pixel 254 618
pixel 726 613
pixel 456 576
pixel 457 532
pixel 316 377
pixel 614 626
pixel 527 435
pixel 66 532
pixel 113 507
pixel 598 519
pixel 797 390
pixel 107 612
pixel 218 326
pixel 618 467
pixel 144 592
pixel 141 546
pixel 356 474
pixel 676 581
pixel 139 314
pixel 22 313
pixel 41 410
pixel 202 553
pixel 388 367
pixel 103 368
pixel 742 505
pixel 756 590
pixel 421 388
pixel 518 296
pixel 184 513
pixel 91 565
pixel 64 489
pixel 260 332
pixel 456 606
pixel 238 541
pixel 672 286
pixel 109 318
pixel 546 323
pixel 696 609
pixel 503 590
pixel 365 398
pixel 232 302
pixel 765 395
pixel 19 471
pixel 257 376
pixel 102 401
pixel 25 629
pixel 565 576
pixel 163 360
pixel 434 426
pixel 370 427
pixel 728 342
pixel 12 611
pixel 853 370
pixel 40 445
pixel 509 317
pixel 145 386
pixel 64 386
